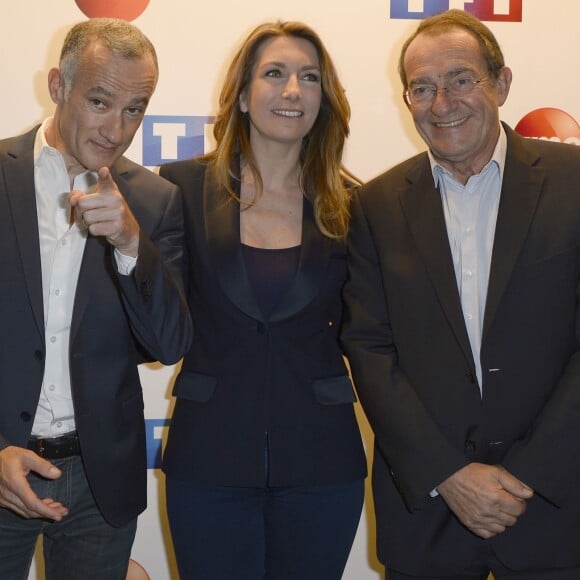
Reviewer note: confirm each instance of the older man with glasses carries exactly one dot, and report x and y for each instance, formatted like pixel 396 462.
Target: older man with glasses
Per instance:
pixel 463 327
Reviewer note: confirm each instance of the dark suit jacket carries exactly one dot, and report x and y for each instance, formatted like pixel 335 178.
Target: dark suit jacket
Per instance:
pixel 407 344
pixel 247 377
pixel 118 322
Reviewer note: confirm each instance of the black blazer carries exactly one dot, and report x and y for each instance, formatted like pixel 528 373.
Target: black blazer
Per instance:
pixel 407 343
pixel 118 322
pixel 247 378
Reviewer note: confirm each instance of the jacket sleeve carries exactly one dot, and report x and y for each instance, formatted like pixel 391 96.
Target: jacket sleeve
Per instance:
pixel 153 294
pixel 546 458
pixel 419 455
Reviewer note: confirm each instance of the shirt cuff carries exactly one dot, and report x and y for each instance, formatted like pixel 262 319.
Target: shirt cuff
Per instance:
pixel 125 264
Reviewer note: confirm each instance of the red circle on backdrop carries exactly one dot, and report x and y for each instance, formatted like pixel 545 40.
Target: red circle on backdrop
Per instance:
pixel 125 9
pixel 549 123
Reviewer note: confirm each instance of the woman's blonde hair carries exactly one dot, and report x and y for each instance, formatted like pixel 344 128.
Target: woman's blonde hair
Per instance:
pixel 324 179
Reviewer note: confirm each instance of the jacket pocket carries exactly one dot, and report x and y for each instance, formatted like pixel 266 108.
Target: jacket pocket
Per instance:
pixel 194 387
pixel 334 391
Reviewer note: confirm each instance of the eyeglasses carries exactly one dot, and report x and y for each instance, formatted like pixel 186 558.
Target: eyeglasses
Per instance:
pixel 460 86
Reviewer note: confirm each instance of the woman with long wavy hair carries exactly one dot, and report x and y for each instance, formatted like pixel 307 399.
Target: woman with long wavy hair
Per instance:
pixel 264 460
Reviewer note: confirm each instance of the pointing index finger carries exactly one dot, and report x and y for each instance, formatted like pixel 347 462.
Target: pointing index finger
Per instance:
pixel 105 183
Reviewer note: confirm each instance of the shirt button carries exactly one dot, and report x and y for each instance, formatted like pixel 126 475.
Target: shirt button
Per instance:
pixel 469 316
pixel 469 273
pixel 59 424
pixel 53 339
pixel 51 388
pixel 63 242
pixel 57 292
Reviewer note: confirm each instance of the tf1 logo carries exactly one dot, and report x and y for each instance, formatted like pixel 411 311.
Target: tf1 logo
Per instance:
pixel 173 138
pixel 498 10
pixel 155 437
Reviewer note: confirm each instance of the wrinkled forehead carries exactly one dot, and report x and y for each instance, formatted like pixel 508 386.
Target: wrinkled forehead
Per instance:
pixel 102 71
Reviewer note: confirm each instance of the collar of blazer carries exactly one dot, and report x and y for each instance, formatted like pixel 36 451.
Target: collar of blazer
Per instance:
pixel 522 186
pixel 421 204
pixel 18 181
pixel 17 160
pixel 222 223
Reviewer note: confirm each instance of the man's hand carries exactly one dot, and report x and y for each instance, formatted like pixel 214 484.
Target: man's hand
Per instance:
pixel 15 492
pixel 106 213
pixel 485 498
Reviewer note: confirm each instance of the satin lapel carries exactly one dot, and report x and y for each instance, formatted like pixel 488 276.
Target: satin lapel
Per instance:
pixel 521 188
pixel 222 219
pixel 314 255
pixel 19 179
pixel 421 204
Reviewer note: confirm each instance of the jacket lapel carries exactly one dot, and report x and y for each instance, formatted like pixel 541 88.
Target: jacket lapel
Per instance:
pixel 97 251
pixel 521 188
pixel 19 180
pixel 222 221
pixel 421 204
pixel 223 236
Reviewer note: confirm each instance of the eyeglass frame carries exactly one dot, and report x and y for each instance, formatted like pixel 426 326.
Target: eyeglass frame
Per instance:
pixel 435 89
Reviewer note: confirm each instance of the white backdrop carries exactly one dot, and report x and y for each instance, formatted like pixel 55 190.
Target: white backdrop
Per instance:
pixel 195 41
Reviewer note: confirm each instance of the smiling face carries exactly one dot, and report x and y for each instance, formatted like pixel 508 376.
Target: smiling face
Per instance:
pixel 96 118
pixel 284 93
pixel 461 131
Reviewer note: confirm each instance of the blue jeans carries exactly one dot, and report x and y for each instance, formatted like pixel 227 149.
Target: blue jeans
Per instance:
pixel 83 546
pixel 287 533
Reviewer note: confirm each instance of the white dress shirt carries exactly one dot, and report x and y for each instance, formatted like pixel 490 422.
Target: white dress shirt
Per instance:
pixel 61 251
pixel 470 216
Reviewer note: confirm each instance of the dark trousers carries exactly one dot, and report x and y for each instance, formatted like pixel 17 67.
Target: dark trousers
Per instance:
pixel 82 546
pixel 552 574
pixel 289 533
pixel 487 563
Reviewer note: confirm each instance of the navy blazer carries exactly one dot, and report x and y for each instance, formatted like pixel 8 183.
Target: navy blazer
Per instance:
pixel 249 380
pixel 406 340
pixel 117 322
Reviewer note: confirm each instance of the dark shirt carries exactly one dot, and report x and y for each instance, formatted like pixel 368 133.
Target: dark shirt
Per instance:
pixel 270 273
